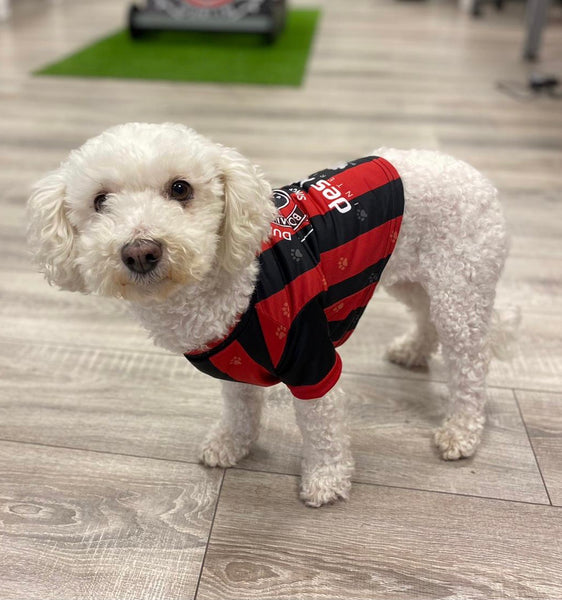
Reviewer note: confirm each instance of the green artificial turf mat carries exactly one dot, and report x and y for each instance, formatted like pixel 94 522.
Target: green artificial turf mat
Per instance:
pixel 194 56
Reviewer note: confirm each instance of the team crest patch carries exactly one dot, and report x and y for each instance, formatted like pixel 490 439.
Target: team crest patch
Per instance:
pixel 290 216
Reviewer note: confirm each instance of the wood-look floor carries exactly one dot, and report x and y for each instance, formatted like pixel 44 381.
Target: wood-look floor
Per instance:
pixel 101 496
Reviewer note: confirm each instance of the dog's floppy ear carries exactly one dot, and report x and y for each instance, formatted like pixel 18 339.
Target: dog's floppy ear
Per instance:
pixel 248 210
pixel 50 234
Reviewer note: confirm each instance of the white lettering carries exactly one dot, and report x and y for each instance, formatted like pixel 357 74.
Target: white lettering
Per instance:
pixel 320 185
pixel 341 205
pixel 331 193
pixel 286 235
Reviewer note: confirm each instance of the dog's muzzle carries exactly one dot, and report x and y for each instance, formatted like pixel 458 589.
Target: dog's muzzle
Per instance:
pixel 141 256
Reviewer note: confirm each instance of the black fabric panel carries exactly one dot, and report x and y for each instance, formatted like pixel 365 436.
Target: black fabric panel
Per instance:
pixel 283 263
pixel 369 211
pixel 309 354
pixel 338 329
pixel 252 340
pixel 206 366
pixel 354 284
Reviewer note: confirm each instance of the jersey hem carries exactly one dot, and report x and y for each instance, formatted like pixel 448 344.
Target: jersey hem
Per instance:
pixel 312 392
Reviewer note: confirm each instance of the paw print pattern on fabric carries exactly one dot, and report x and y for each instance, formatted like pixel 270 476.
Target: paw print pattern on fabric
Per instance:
pixel 281 332
pixel 338 307
pixel 236 361
pixel 286 310
pixel 296 255
pixel 343 263
pixel 361 214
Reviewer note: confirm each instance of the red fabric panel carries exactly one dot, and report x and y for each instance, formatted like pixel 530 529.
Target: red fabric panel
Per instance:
pixel 237 363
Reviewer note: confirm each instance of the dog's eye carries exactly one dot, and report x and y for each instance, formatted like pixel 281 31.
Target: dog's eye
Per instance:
pixel 98 202
pixel 181 190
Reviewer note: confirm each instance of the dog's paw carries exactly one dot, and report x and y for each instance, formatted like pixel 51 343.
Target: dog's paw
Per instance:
pixel 407 352
pixel 458 437
pixel 222 449
pixel 325 485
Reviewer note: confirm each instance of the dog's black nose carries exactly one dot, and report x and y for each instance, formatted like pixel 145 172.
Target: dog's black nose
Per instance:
pixel 141 256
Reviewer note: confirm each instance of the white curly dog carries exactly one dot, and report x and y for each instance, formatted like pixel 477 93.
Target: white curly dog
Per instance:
pixel 172 223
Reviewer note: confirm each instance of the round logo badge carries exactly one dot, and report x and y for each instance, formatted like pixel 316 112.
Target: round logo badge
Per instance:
pixel 281 198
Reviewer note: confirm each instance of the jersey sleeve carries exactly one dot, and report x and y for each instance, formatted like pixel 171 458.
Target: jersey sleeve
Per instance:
pixel 310 365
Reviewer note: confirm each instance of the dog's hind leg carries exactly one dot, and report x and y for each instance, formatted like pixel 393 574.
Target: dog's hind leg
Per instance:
pixel 415 347
pixel 231 438
pixel 462 321
pixel 327 463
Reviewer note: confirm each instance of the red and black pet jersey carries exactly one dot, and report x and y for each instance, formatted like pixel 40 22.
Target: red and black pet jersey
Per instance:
pixel 329 244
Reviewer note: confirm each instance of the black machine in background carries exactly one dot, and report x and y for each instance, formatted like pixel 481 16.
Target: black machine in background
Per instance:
pixel 265 17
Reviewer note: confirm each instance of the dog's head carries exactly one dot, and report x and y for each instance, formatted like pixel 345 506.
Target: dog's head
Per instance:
pixel 142 210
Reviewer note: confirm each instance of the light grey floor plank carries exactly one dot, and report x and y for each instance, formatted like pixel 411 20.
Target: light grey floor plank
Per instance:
pixel 534 283
pixel 78 525
pixel 543 415
pixel 33 312
pixel 383 543
pixel 117 401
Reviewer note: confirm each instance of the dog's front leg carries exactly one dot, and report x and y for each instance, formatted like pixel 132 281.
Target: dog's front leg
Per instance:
pixel 231 438
pixel 327 463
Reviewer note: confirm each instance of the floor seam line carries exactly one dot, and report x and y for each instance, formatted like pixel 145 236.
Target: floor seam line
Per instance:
pixel 281 473
pixel 531 445
pixel 210 534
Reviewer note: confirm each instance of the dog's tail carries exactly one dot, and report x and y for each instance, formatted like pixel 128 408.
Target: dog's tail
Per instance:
pixel 504 332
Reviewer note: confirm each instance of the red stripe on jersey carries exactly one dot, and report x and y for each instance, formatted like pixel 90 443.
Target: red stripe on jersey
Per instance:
pixel 350 259
pixel 341 310
pixel 311 392
pixel 277 312
pixel 235 362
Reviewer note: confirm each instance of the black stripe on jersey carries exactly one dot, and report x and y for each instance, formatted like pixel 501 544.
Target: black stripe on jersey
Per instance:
pixel 283 263
pixel 204 365
pixel 370 210
pixel 354 284
pixel 252 340
pixel 309 356
pixel 338 329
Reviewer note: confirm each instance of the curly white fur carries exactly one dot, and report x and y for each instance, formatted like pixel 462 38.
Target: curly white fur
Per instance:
pixel 449 256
